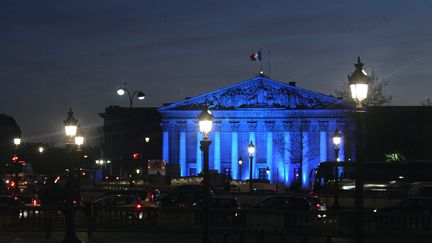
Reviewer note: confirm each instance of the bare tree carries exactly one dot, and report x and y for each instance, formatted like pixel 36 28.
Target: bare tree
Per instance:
pixel 426 102
pixel 376 95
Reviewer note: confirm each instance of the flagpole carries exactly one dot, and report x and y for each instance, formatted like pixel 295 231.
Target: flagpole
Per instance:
pixel 268 54
pixel 261 64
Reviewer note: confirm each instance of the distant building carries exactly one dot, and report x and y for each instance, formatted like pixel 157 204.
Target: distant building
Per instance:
pixel 125 131
pixel 9 129
pixel 406 130
pixel 291 128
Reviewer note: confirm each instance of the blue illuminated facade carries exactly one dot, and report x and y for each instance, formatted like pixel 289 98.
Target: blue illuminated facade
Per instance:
pixel 289 126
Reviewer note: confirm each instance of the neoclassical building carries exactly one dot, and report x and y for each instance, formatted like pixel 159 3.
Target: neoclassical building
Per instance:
pixel 291 128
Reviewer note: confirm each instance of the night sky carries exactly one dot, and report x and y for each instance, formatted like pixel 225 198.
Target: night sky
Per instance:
pixel 60 54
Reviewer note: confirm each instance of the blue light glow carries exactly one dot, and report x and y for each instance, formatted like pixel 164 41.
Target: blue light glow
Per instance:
pixel 217 149
pixel 270 154
pixel 234 155
pixel 199 153
pixel 165 147
pixel 182 154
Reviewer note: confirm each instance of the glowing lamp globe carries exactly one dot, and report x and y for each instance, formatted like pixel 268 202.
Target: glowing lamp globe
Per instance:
pixel 79 140
pixel 251 149
pixel 141 95
pixel 359 83
pixel 17 141
pixel 336 138
pixel 121 91
pixel 205 122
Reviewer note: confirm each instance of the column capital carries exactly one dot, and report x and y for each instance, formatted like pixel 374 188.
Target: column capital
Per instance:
pixel 252 125
pixel 323 126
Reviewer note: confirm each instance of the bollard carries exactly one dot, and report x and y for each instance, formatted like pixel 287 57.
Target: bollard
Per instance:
pixel 225 237
pixel 242 238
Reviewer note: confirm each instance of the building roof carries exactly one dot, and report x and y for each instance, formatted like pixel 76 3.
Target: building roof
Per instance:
pixel 259 92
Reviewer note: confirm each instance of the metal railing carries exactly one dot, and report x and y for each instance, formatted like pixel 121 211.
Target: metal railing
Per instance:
pixel 334 223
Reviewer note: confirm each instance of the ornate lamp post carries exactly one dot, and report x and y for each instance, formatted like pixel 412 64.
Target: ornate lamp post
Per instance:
pixel 336 141
pixel 71 126
pixel 205 125
pixel 251 150
pixel 123 90
pixel 359 84
pixel 240 163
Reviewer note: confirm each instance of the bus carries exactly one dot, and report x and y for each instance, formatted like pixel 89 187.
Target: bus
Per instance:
pixel 408 178
pixel 19 175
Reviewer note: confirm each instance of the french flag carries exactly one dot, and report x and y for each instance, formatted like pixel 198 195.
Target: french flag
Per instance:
pixel 255 56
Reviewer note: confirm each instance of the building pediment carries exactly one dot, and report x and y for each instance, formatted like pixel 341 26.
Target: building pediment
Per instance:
pixel 259 92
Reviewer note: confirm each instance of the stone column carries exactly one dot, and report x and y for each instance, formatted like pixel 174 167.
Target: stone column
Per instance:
pixel 234 150
pixel 270 126
pixel 182 154
pixel 199 162
pixel 217 148
pixel 323 128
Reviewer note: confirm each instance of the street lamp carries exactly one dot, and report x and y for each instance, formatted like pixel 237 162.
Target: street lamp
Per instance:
pixel 268 171
pixel 79 139
pixel 205 125
pixel 17 141
pixel 240 163
pixel 251 150
pixel 41 149
pixel 147 139
pixel 123 90
pixel 71 126
pixel 336 141
pixel 359 82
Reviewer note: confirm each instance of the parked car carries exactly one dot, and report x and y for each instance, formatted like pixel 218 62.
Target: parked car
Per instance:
pixel 228 210
pixel 185 196
pixel 30 200
pixel 292 202
pixel 219 202
pixel 411 205
pixel 10 201
pixel 149 199
pixel 119 201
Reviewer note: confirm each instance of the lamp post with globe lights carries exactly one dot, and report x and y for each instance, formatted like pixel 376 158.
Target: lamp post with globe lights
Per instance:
pixel 205 125
pixel 336 141
pixel 359 84
pixel 251 151
pixel 123 90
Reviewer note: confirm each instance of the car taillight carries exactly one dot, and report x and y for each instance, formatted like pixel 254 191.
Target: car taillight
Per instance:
pixel 138 206
pixel 34 202
pixel 12 184
pixel 152 196
pixel 318 206
pixel 74 202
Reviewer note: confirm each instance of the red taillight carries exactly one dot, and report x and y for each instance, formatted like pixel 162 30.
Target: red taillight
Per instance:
pixel 34 202
pixel 318 206
pixel 152 196
pixel 12 184
pixel 138 206
pixel 117 178
pixel 74 202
